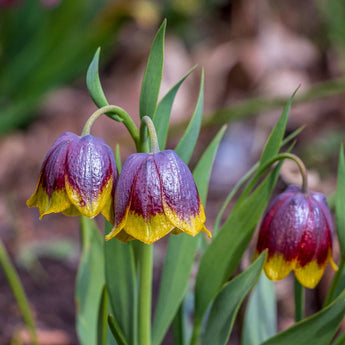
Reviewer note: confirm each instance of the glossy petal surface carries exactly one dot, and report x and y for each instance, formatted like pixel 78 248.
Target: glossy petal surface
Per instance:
pixel 297 231
pixel 50 195
pixel 89 175
pixel 156 193
pixel 77 177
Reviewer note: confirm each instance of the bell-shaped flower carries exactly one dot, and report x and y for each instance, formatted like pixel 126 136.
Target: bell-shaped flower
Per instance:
pixel 156 194
pixel 297 232
pixel 78 176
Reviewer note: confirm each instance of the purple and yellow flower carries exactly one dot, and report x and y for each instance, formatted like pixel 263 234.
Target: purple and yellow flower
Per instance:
pixel 297 232
pixel 78 176
pixel 155 195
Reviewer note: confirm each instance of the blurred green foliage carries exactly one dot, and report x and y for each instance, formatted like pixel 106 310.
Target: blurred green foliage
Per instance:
pixel 42 47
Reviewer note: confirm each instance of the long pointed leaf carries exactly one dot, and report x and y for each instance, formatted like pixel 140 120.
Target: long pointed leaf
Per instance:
pixel 121 283
pixel 274 141
pixel 102 318
pixel 227 303
pixel 162 115
pixel 116 331
pixel 93 82
pixel 90 282
pixel 225 251
pixel 260 321
pixel 153 75
pixel 180 255
pixel 187 143
pixel 317 329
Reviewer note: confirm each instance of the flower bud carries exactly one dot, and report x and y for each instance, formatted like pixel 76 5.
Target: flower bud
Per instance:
pixel 78 176
pixel 156 194
pixel 297 232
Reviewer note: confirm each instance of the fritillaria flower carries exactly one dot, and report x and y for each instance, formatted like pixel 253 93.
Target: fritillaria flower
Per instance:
pixel 297 232
pixel 77 176
pixel 156 194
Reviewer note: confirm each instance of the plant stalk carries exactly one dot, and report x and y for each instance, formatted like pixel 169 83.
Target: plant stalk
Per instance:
pixel 115 110
pixel 145 293
pixel 299 301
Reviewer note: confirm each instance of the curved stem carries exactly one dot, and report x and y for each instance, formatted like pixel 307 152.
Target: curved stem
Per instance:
pixel 152 133
pixel 295 159
pixel 121 113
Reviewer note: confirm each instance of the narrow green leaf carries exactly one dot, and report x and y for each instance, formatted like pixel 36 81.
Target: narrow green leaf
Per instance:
pixel 187 143
pixel 273 144
pixel 19 293
pixel 162 115
pixel 116 331
pixel 90 282
pixel 179 326
pixel 318 329
pixel 121 282
pixel 225 251
pixel 274 141
pixel 153 75
pixel 227 303
pixel 93 82
pixel 339 202
pixel 260 320
pixel 180 255
pixel 202 171
pixel 102 318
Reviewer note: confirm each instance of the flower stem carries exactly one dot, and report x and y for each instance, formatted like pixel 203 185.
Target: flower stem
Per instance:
pixel 299 301
pixel 295 159
pixel 152 133
pixel 145 293
pixel 19 293
pixel 196 332
pixel 110 110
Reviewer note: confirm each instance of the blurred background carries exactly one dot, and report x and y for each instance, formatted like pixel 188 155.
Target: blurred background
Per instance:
pixel 254 53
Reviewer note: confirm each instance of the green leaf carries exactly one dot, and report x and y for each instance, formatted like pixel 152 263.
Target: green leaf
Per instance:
pixel 339 202
pixel 180 255
pixel 90 282
pixel 93 82
pixel 274 141
pixel 153 75
pixel 317 329
pixel 187 143
pixel 260 320
pixel 225 251
pixel 273 144
pixel 116 331
pixel 121 282
pixel 102 318
pixel 162 115
pixel 227 303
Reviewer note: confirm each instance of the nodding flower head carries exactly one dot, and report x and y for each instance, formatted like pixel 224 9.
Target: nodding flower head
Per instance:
pixel 297 232
pixel 78 176
pixel 156 194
